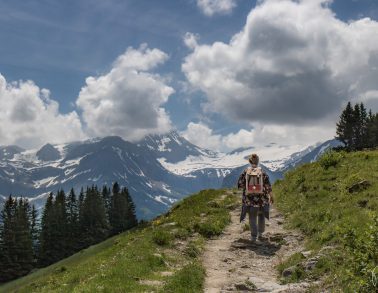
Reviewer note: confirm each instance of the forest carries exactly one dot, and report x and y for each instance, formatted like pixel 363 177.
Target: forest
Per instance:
pixel 67 224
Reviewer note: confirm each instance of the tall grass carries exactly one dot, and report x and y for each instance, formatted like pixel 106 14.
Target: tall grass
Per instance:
pixel 172 242
pixel 316 198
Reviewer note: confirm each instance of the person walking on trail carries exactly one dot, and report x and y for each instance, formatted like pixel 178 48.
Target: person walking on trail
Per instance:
pixel 257 197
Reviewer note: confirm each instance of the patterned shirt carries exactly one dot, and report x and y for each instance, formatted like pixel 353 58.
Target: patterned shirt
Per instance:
pixel 255 200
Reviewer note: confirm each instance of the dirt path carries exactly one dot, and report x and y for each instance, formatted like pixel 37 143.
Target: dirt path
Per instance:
pixel 234 264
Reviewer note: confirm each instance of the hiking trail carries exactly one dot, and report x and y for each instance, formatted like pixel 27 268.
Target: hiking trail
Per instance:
pixel 234 264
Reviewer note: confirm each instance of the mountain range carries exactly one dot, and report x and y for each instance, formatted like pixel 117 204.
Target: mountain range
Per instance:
pixel 158 170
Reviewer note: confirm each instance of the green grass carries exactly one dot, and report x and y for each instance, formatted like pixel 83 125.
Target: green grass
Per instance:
pixel 188 280
pixel 293 261
pixel 316 199
pixel 122 263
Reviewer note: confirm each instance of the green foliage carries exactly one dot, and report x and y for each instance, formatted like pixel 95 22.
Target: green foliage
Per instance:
pixel 329 159
pixel 293 261
pixel 16 247
pixel 212 228
pixel 356 128
pixel 122 210
pixel 316 200
pixel 193 250
pixel 162 237
pixel 121 263
pixel 67 225
pixel 189 279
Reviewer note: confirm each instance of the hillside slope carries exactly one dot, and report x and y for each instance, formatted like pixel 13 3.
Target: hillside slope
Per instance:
pixel 158 256
pixel 335 203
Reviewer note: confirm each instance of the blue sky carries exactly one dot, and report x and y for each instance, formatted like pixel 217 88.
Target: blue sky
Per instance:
pixel 58 44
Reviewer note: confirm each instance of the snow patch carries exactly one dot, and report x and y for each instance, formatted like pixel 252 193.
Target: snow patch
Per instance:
pixel 162 144
pixel 165 187
pixel 165 200
pixel 46 181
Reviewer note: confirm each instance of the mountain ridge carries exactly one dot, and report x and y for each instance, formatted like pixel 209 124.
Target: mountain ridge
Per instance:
pixel 158 170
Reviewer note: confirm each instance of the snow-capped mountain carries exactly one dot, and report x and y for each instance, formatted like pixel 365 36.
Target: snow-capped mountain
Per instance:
pixel 158 170
pixel 275 167
pixel 138 166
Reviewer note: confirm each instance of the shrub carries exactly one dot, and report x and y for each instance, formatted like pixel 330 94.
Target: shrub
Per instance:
pixel 330 159
pixel 192 250
pixel 188 279
pixel 161 237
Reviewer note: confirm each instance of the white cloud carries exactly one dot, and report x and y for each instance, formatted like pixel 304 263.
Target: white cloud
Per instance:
pixel 201 135
pixel 191 40
pixel 291 67
pixel 30 118
pixel 211 7
pixel 127 101
pixel 259 136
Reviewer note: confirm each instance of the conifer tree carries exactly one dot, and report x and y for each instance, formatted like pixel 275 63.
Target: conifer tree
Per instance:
pixel 47 237
pixel 7 243
pixel 61 225
pixel 81 229
pixel 34 230
pixel 94 221
pixel 118 211
pixel 131 214
pixel 16 251
pixel 24 246
pixel 372 131
pixel 344 130
pixel 122 212
pixel 106 196
pixel 73 243
pixel 116 188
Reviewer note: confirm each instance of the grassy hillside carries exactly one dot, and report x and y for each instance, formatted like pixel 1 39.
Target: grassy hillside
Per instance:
pixel 160 256
pixel 335 203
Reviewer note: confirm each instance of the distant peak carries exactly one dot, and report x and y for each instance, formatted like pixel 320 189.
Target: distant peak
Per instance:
pixel 48 153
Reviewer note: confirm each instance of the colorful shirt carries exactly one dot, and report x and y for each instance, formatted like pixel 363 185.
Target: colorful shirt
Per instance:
pixel 255 200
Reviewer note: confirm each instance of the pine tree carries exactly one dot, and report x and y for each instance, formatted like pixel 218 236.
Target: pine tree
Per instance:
pixel 16 250
pixel 122 212
pixel 131 214
pixel 46 252
pixel 24 245
pixel 34 230
pixel 73 243
pixel 94 220
pixel 344 130
pixel 106 196
pixel 356 140
pixel 116 188
pixel 81 229
pixel 118 210
pixel 61 225
pixel 372 130
pixel 361 124
pixel 7 236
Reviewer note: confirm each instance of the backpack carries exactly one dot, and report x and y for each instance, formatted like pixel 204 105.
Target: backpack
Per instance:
pixel 254 181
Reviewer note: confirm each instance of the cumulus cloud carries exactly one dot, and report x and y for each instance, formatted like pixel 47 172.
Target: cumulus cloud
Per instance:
pixel 211 7
pixel 258 135
pixel 191 40
pixel 30 118
pixel 202 135
pixel 127 101
pixel 293 63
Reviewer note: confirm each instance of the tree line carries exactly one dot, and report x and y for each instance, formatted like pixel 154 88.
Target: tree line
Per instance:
pixel 357 129
pixel 68 224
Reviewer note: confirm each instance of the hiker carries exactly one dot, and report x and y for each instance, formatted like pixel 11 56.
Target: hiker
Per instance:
pixel 257 197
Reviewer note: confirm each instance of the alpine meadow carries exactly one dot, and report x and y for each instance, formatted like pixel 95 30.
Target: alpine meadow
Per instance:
pixel 189 146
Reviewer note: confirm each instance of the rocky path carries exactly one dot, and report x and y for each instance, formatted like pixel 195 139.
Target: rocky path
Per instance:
pixel 234 264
